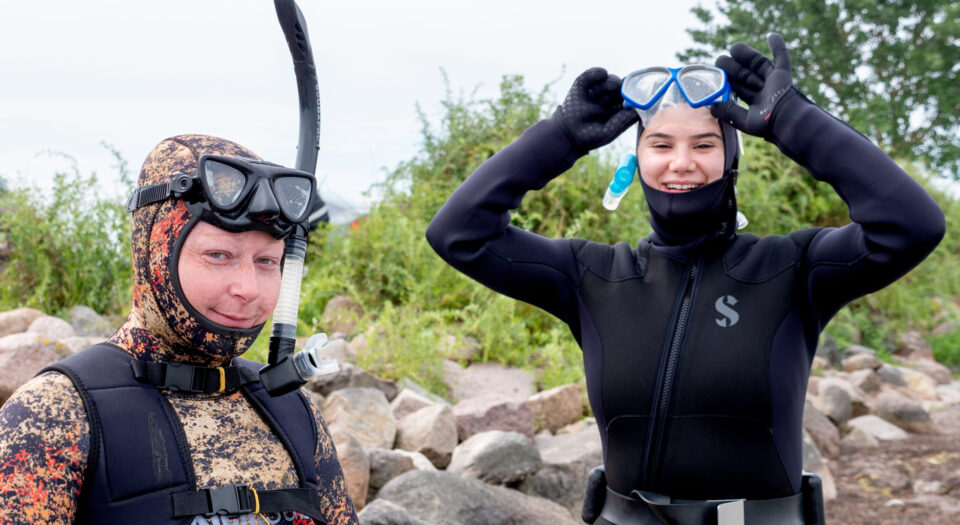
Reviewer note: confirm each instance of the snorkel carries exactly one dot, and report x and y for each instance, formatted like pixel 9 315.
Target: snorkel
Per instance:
pixel 287 371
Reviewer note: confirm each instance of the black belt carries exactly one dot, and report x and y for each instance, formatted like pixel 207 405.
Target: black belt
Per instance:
pixel 650 508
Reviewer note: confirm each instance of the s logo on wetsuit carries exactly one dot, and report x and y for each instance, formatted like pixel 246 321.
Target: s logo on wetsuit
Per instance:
pixel 723 306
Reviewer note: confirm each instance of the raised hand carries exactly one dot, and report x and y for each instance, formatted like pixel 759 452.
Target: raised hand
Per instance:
pixel 592 112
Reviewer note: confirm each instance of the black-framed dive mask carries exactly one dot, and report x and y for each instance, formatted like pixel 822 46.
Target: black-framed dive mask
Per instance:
pixel 238 194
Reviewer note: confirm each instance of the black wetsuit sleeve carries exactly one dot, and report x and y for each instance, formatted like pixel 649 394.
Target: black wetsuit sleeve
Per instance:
pixel 896 223
pixel 472 230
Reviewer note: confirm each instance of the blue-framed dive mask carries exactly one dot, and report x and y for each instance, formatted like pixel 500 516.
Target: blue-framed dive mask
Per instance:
pixel 700 85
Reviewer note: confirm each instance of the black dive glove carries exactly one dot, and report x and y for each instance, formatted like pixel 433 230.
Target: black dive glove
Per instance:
pixel 592 114
pixel 761 84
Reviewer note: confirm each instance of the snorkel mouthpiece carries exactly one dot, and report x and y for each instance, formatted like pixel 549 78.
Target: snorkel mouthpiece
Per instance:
pixel 621 181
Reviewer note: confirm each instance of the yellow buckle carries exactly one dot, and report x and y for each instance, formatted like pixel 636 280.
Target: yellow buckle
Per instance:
pixel 223 386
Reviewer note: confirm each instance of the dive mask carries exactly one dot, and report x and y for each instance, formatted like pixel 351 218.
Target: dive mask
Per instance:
pixel 238 194
pixel 700 85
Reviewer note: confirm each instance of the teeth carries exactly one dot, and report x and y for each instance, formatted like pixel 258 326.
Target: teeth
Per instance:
pixel 683 186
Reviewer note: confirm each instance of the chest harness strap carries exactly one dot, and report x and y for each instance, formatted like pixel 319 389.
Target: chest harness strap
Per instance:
pixel 181 377
pixel 243 499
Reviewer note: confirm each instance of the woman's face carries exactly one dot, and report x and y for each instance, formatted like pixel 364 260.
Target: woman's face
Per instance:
pixel 681 150
pixel 232 279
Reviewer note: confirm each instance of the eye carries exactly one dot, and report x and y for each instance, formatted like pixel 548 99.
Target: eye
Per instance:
pixel 216 255
pixel 268 261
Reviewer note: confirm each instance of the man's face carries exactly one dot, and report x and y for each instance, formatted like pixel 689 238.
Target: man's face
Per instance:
pixel 681 150
pixel 232 279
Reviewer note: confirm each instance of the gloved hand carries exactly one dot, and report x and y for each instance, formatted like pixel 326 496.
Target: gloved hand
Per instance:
pixel 761 84
pixel 592 113
pixel 595 495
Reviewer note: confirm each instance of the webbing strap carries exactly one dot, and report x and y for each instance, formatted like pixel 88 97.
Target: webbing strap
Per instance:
pixel 182 377
pixel 241 499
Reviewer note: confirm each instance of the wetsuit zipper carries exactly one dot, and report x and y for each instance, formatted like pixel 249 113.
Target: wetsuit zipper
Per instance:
pixel 668 374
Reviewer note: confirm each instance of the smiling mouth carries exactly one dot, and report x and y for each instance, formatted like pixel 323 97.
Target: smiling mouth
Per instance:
pixel 679 188
pixel 234 322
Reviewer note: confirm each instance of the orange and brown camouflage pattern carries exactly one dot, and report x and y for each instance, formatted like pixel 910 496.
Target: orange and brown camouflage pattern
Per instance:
pixel 44 432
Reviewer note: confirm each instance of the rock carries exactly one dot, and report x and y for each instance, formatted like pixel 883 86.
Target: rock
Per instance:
pixel 492 412
pixel 445 498
pixel 383 512
pixel 79 342
pixel 950 394
pixel 833 401
pixel 88 323
pixel 465 349
pixel 567 459
pixel 574 428
pixel 420 462
pixel 861 362
pixel 857 439
pixel 891 375
pixel 904 413
pixel 945 328
pixel 408 384
pixel 431 431
pixel 921 486
pixel 408 401
pixel 363 413
pixel 315 397
pixel 384 466
pixel 814 462
pixel 481 379
pixel 821 430
pixel 356 467
pixel 22 355
pixel 18 320
pixel 853 350
pixel 341 314
pixel 351 376
pixel 338 348
pixel 496 457
pixel 877 428
pixel 51 327
pixel 924 385
pixel 819 364
pixel 939 373
pixel 557 407
pixel 827 349
pixel 914 346
pixel 866 380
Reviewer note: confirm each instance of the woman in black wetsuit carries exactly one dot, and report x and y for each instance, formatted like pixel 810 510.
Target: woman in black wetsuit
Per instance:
pixel 697 342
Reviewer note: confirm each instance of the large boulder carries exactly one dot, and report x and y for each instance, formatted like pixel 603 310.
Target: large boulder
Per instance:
pixel 16 321
pixel 567 459
pixel 924 386
pixel 356 467
pixel 878 428
pixel 904 413
pixel 481 379
pixel 950 394
pixel 24 354
pixel 409 401
pixel 51 327
pixel 363 413
pixel 823 432
pixel 866 380
pixel 341 315
pixel 445 498
pixel 814 462
pixel 80 342
pixel 834 401
pixel 420 462
pixel 861 362
pixel 913 346
pixel 557 407
pixel 940 373
pixel 88 323
pixel 383 512
pixel 384 466
pixel 857 439
pixel 431 431
pixel 496 457
pixel 351 376
pixel 493 412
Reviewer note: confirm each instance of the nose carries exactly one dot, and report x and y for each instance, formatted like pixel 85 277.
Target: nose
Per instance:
pixel 263 206
pixel 243 281
pixel 682 161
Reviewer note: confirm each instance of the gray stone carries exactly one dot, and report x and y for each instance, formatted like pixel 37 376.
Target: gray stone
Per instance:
pixel 446 498
pixel 857 439
pixel 950 394
pixel 316 398
pixel 922 486
pixel 827 349
pixel 459 349
pixel 18 320
pixel 891 375
pixel 407 402
pixel 496 457
pixel 88 323
pixel 567 459
pixel 481 379
pixel 914 346
pixel 363 413
pixel 77 343
pixel 384 466
pixel 420 462
pixel 586 423
pixel 834 401
pixel 351 376
pixel 408 384
pixel 814 462
pixel 557 407
pixel 866 380
pixel 861 362
pixel 853 350
pixel 338 348
pixel 492 412
pixel 924 385
pixel 51 327
pixel 341 314
pixel 904 413
pixel 356 467
pixel 383 512
pixel 822 430
pixel 431 431
pixel 940 374
pixel 878 428
pixel 24 354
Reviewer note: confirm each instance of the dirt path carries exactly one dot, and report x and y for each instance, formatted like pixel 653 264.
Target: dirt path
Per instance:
pixel 913 481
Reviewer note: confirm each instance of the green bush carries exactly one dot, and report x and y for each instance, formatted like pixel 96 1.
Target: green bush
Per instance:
pixel 69 249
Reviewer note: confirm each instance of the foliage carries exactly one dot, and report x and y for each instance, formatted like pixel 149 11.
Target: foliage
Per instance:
pixel 70 249
pixel 946 348
pixel 888 68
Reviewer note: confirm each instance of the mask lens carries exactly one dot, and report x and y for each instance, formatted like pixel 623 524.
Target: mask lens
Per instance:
pixel 293 194
pixel 224 183
pixel 643 86
pixel 700 84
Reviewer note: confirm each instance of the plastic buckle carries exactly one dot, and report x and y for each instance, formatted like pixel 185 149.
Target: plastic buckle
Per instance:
pixel 180 377
pixel 229 499
pixel 731 513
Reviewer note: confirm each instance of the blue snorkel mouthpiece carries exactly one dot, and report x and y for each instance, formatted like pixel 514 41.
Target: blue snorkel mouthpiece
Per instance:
pixel 621 181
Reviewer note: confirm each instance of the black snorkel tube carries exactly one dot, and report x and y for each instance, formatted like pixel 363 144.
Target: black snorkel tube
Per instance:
pixel 286 371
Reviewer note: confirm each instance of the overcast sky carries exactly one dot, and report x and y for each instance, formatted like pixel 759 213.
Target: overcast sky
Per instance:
pixel 74 74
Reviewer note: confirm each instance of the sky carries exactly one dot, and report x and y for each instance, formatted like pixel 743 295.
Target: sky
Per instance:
pixel 75 75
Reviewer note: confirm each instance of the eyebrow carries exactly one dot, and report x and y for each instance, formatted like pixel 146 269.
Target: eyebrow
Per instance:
pixel 698 136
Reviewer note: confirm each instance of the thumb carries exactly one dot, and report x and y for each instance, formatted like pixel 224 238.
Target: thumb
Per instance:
pixel 730 112
pixel 781 57
pixel 619 122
